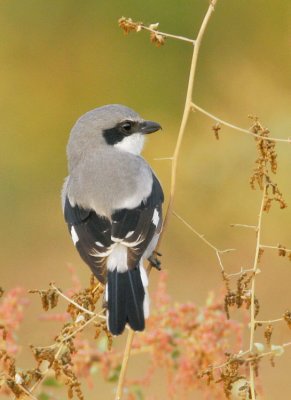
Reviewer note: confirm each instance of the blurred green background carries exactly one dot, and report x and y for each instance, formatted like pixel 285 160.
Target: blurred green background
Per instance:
pixel 59 59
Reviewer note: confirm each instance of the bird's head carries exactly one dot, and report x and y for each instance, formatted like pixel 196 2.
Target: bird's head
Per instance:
pixel 110 126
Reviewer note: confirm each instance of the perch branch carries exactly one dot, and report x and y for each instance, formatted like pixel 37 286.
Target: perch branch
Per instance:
pixel 174 164
pixel 253 287
pixel 264 246
pixel 124 364
pixel 169 35
pixel 186 112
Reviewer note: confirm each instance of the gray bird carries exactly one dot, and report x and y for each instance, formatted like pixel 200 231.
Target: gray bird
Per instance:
pixel 112 203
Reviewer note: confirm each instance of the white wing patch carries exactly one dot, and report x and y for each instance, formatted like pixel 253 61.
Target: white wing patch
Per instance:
pixel 116 240
pixel 129 234
pixel 99 254
pixel 156 217
pixel 138 241
pixel 74 235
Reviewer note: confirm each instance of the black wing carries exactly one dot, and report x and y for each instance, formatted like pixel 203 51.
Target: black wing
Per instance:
pixel 135 228
pixel 91 235
pixel 95 236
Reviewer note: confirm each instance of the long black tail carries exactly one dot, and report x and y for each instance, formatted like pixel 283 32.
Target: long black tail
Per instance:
pixel 126 295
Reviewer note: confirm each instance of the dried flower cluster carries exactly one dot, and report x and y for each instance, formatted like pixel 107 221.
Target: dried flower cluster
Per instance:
pixel 216 128
pixel 234 371
pixel 283 251
pixel 49 298
pixel 12 308
pixel 242 295
pixel 58 357
pixel 266 163
pixel 128 25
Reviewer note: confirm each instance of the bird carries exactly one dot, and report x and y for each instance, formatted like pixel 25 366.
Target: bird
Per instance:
pixel 112 204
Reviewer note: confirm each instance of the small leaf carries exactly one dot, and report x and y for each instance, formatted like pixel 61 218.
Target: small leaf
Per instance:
pixel 18 379
pixel 277 350
pixel 114 374
pixel 52 382
pixel 240 390
pixel 137 391
pixel 94 369
pixel 259 347
pixel 80 318
pixel 175 354
pixel 43 396
pixel 154 26
pixel 102 344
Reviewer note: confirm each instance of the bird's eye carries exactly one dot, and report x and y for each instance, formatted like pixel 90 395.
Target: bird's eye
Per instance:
pixel 126 126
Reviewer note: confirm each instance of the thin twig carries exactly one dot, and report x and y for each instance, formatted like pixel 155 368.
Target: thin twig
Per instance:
pixel 264 246
pixel 270 321
pixel 163 158
pixel 253 287
pixel 217 251
pixel 60 345
pixel 186 112
pixel 244 226
pixel 201 236
pixel 174 165
pixel 240 356
pixel 85 310
pixel 44 373
pixel 268 353
pixel 80 328
pixel 241 272
pixel 27 392
pixel 185 39
pixel 124 364
pixel 237 128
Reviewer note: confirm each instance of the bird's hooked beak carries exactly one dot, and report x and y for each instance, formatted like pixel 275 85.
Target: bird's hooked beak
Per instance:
pixel 149 127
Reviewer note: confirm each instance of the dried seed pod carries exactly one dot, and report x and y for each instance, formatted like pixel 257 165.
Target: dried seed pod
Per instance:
pixel 268 334
pixel 287 318
pixel 53 298
pixel 157 39
pixel 44 300
pixel 216 128
pixel 128 25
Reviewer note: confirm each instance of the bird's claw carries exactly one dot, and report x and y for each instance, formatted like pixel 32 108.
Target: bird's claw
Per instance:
pixel 154 261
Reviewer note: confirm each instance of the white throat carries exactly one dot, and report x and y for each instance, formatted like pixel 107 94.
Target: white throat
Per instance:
pixel 132 144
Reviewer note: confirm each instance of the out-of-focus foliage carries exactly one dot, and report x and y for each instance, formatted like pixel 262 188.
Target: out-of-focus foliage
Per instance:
pixel 181 339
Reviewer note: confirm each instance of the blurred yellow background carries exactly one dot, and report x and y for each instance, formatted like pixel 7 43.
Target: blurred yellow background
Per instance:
pixel 59 59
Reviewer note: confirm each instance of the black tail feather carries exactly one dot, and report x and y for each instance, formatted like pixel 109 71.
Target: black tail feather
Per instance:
pixel 125 300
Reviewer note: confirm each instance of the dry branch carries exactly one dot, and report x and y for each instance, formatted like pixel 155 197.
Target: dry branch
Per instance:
pixel 174 165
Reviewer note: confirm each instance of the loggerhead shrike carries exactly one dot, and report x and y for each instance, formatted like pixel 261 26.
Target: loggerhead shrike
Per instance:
pixel 112 203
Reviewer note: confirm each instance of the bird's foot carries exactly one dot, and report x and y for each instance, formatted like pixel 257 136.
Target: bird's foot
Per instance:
pixel 154 261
